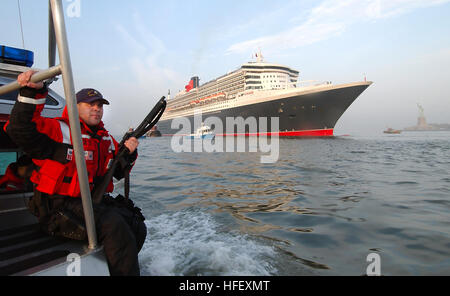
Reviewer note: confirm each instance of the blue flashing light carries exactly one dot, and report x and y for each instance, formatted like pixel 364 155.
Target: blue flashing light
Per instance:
pixel 16 56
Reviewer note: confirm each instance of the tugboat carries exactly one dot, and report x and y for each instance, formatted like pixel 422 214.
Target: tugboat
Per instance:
pixel 392 131
pixel 153 132
pixel 203 132
pixel 131 129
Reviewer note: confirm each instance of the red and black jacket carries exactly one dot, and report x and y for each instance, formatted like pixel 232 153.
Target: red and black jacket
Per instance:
pixel 48 141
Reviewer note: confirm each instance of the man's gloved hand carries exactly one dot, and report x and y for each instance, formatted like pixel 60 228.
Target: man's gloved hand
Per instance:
pixel 132 143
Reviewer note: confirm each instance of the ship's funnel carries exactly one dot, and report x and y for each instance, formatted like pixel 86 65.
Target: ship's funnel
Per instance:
pixel 196 81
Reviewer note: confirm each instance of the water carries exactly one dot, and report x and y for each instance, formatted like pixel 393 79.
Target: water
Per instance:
pixel 320 210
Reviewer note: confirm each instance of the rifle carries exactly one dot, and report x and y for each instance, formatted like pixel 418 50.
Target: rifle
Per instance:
pixel 150 120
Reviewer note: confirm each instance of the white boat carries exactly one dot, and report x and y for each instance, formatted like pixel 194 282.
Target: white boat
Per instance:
pixel 204 132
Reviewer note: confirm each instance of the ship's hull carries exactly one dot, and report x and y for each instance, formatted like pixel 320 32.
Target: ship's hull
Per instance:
pixel 302 114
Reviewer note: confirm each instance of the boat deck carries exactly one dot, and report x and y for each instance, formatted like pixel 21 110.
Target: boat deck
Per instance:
pixel 24 249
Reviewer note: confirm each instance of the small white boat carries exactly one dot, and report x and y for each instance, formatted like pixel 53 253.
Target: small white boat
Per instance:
pixel 203 132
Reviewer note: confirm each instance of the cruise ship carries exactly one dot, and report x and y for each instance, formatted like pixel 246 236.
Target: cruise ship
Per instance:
pixel 261 89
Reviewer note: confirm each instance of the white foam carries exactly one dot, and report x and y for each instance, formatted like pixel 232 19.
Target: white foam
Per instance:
pixel 188 243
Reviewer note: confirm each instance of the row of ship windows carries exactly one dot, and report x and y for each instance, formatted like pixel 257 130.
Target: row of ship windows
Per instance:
pixel 234 76
pixel 219 86
pixel 230 88
pixel 230 79
pixel 270 67
pixel 259 82
pixel 281 81
pixel 260 87
pixel 264 76
pixel 273 76
pixel 216 104
pixel 262 73
pixel 226 81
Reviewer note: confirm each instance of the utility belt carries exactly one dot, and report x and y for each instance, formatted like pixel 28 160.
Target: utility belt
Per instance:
pixel 63 216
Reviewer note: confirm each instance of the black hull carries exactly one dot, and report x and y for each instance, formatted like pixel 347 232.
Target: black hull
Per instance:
pixel 305 114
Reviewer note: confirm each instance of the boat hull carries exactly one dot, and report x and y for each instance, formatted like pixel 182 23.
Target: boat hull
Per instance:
pixel 300 115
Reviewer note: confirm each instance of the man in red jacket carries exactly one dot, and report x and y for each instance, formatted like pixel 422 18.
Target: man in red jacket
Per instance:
pixel 57 202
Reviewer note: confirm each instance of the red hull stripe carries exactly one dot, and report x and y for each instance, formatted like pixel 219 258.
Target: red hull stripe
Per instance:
pixel 304 133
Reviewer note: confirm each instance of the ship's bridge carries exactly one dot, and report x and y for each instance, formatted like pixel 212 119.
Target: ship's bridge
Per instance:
pixel 267 76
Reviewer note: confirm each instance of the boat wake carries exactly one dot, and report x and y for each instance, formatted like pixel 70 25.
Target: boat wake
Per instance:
pixel 189 242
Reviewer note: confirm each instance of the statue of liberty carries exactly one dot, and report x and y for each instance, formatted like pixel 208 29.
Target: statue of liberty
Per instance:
pixel 421 121
pixel 421 112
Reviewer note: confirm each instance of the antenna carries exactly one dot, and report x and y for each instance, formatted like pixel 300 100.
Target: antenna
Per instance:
pixel 259 56
pixel 21 27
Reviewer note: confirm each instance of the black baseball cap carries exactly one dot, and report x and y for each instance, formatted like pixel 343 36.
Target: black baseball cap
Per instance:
pixel 89 95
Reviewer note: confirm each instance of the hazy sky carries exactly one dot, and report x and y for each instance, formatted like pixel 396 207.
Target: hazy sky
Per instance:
pixel 134 51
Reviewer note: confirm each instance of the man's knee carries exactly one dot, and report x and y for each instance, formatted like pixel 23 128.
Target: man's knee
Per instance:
pixel 135 223
pixel 111 223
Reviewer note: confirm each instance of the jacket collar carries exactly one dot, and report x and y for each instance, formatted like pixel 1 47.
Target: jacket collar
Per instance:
pixel 101 131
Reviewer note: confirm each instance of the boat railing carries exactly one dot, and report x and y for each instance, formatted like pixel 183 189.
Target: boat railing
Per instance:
pixel 308 83
pixel 58 39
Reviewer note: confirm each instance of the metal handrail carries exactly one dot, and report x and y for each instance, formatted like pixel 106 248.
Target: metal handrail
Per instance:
pixel 74 121
pixel 39 76
pixel 51 38
pixel 57 31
